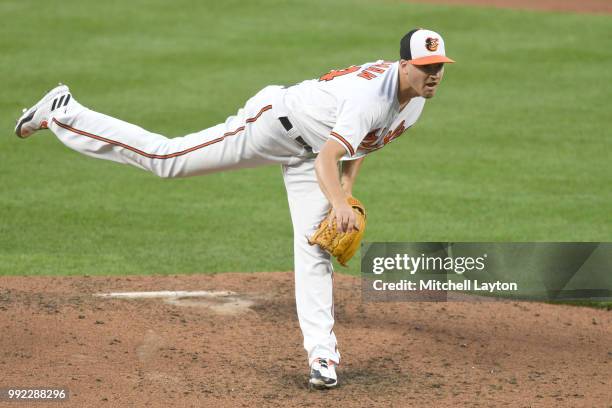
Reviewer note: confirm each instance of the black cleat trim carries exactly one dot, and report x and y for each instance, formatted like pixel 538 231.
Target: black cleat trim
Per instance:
pixel 319 381
pixel 22 122
pixel 67 100
pixel 61 99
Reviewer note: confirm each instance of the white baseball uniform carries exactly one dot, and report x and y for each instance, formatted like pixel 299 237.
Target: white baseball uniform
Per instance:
pixel 358 107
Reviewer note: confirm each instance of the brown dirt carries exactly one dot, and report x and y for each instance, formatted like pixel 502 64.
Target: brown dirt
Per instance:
pixel 578 6
pixel 125 352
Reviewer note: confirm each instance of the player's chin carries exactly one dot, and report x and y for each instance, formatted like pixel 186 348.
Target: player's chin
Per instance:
pixel 428 92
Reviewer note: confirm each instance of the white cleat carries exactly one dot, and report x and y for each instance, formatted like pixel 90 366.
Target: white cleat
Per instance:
pixel 323 374
pixel 38 116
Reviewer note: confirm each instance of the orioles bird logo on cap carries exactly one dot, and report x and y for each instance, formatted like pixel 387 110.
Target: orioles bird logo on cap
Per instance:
pixel 431 44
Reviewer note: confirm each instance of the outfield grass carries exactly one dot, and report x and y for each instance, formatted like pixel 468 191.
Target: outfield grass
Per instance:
pixel 515 147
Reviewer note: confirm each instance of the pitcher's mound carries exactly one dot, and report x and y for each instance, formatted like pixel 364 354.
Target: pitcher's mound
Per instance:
pixel 234 340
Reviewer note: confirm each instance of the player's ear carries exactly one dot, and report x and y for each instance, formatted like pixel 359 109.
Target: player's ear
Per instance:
pixel 403 65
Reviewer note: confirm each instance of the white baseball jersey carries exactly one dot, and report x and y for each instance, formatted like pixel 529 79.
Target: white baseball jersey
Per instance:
pixel 356 106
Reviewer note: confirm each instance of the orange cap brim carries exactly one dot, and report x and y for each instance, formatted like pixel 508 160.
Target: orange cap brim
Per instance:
pixel 433 59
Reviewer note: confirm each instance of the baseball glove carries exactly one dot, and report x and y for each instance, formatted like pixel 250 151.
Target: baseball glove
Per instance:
pixel 342 245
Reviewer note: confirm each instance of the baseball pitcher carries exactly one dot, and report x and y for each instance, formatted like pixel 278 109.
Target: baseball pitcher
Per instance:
pixel 310 129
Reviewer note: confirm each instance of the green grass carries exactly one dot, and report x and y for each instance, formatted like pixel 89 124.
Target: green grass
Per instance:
pixel 515 147
pixel 585 303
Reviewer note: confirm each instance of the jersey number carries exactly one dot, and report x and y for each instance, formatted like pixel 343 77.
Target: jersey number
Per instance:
pixel 338 72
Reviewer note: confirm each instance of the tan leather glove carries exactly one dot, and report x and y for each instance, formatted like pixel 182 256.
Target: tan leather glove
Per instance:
pixel 341 245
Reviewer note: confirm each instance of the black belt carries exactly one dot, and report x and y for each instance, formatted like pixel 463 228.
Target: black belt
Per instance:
pixel 288 126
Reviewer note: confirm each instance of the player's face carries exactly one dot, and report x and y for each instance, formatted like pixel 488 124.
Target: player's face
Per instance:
pixel 425 79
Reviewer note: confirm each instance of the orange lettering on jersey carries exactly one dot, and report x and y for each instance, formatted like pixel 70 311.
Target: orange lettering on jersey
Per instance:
pixel 395 133
pixel 338 72
pixel 367 75
pixel 370 140
pixel 373 142
pixel 371 71
pixel 375 69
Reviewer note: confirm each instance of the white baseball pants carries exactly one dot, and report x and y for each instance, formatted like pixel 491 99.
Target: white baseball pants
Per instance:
pixel 253 137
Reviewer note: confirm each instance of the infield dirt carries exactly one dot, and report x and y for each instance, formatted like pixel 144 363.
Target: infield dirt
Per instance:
pixel 155 353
